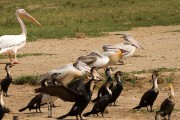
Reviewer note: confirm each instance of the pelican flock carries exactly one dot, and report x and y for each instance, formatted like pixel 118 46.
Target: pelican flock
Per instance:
pixel 75 82
pixel 12 43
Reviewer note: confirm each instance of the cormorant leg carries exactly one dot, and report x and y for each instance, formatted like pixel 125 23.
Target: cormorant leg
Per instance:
pixel 169 116
pixel 102 114
pixel 151 108
pixel 39 108
pixel 114 104
pixel 76 117
pixel 80 117
pixel 49 111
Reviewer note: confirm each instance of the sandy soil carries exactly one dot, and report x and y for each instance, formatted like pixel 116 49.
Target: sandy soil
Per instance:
pixel 161 50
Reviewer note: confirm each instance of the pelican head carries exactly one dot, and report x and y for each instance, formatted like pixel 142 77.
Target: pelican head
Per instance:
pixel 23 14
pixel 95 75
pixel 127 37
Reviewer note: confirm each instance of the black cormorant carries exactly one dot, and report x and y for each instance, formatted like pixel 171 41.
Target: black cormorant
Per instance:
pixel 117 89
pixel 5 83
pixel 81 95
pixel 150 96
pixel 102 102
pixel 102 90
pixel 3 109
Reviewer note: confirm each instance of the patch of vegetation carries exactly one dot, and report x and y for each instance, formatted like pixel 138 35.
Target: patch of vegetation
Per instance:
pixel 25 55
pixel 65 18
pixel 26 79
pixel 163 69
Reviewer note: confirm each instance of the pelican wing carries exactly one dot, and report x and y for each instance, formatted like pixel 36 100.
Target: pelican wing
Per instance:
pixel 64 70
pixel 87 59
pixel 61 92
pixel 8 42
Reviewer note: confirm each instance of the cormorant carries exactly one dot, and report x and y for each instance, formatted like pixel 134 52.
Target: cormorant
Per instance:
pixel 150 96
pixel 35 103
pixel 117 89
pixel 5 83
pixel 103 102
pixel 167 105
pixel 102 90
pixel 81 95
pixel 3 109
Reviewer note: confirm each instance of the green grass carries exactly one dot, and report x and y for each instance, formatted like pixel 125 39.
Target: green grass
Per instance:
pixel 26 79
pixel 65 18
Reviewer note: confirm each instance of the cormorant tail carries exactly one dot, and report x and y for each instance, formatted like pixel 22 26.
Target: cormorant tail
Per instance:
pixel 62 117
pixel 137 107
pixel 22 109
pixel 87 114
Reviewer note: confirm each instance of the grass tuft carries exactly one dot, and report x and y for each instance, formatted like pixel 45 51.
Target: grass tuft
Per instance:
pixel 26 79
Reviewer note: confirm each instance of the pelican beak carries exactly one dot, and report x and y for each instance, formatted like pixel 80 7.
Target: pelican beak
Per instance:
pixel 135 43
pixel 29 17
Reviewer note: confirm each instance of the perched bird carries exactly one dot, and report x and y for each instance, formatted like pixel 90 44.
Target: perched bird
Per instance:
pixel 67 73
pixel 12 43
pixel 150 96
pixel 167 105
pixel 5 83
pixel 130 45
pixel 41 99
pixel 116 89
pixel 3 109
pixel 102 103
pixel 81 95
pixel 94 59
pixel 102 90
pixel 35 103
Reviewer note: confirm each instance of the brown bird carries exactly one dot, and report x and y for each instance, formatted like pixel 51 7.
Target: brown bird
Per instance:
pixel 167 105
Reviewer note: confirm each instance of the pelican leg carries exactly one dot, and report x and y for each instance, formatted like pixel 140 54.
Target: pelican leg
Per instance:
pixel 15 59
pixel 9 55
pixel 49 110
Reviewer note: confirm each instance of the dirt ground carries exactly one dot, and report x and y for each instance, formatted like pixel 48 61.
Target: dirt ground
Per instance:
pixel 161 45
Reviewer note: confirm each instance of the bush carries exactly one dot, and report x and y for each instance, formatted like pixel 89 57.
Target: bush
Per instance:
pixel 26 79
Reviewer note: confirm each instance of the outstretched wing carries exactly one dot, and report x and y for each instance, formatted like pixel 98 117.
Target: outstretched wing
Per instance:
pixel 61 92
pixel 77 85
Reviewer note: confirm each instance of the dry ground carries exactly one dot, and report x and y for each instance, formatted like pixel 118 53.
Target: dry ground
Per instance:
pixel 161 45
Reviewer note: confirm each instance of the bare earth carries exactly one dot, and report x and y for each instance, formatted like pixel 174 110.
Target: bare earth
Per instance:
pixel 162 49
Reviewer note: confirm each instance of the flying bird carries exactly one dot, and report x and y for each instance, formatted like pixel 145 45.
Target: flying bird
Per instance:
pixel 12 43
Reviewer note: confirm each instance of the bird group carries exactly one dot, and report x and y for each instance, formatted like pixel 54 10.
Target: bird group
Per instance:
pixel 75 82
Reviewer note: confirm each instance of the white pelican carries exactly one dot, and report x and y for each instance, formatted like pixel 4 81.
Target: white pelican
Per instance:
pixel 11 43
pixel 94 59
pixel 67 72
pixel 130 45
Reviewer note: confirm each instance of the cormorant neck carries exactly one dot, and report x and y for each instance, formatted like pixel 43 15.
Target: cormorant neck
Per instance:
pixel 8 71
pixel 24 31
pixel 118 78
pixel 172 93
pixel 109 91
pixel 155 85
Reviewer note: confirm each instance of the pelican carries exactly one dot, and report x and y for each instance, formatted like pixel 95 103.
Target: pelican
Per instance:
pixel 130 45
pixel 67 72
pixel 94 59
pixel 11 43
pixel 114 56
